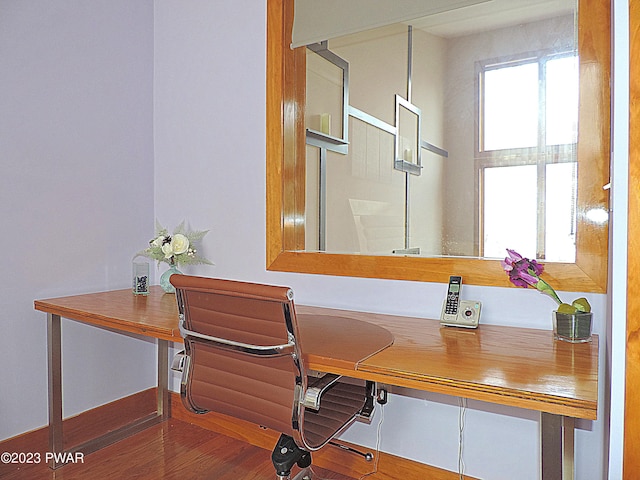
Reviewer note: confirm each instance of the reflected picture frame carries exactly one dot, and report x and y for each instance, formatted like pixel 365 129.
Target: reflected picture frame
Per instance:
pixel 407 155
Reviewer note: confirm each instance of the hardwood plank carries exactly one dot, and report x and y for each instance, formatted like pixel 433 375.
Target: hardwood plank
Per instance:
pixel 171 450
pixel 191 446
pixel 86 425
pixel 330 457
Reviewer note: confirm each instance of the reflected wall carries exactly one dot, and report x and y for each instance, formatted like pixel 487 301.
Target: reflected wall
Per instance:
pixel 358 201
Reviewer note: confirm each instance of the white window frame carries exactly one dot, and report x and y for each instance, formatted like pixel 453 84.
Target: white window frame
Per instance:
pixel 540 155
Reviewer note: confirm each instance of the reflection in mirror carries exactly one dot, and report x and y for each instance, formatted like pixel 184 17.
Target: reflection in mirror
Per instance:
pixel 462 131
pixel 300 170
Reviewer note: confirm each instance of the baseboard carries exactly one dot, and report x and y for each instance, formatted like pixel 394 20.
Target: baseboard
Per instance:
pixel 87 425
pixel 389 467
pixel 112 415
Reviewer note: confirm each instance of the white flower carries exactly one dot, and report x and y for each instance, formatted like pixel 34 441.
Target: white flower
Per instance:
pixel 166 249
pixel 158 241
pixel 176 248
pixel 179 243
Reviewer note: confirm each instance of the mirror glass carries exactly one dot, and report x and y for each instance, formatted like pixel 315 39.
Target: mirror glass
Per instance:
pixel 452 173
pixel 449 135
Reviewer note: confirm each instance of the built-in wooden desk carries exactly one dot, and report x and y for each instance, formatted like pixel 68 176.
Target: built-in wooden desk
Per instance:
pixel 511 366
pixel 504 365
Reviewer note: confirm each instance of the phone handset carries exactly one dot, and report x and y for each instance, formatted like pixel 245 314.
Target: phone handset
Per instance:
pixel 452 301
pixel 456 312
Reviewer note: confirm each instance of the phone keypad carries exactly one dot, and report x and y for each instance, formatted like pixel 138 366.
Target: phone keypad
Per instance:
pixel 451 308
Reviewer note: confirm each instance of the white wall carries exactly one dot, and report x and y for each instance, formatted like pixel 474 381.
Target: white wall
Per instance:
pixel 209 111
pixel 76 192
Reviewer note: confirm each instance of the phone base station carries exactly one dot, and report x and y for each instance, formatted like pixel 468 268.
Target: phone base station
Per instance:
pixel 468 315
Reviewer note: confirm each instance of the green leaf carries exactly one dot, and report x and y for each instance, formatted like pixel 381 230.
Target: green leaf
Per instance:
pixel 582 305
pixel 179 228
pixel 547 289
pixel 160 230
pixel 197 235
pixel 566 308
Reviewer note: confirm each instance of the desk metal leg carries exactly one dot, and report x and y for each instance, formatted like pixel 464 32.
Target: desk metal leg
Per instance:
pixel 556 446
pixel 56 438
pixel 54 366
pixel 162 392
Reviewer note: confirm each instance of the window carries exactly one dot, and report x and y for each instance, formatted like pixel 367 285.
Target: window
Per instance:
pixel 526 156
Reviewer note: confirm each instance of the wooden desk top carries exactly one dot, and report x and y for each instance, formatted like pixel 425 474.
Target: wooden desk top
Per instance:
pixel 505 365
pixel 154 315
pixel 512 366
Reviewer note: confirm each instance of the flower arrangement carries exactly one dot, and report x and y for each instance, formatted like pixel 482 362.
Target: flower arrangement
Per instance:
pixel 526 273
pixel 176 248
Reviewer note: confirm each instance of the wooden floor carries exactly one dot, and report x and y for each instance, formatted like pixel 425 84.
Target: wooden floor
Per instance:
pixel 171 450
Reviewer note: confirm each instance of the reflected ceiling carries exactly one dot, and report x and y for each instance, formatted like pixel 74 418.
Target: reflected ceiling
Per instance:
pixel 492 15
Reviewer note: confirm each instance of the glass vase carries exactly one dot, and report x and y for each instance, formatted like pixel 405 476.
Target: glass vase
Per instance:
pixel 572 327
pixel 164 279
pixel 140 278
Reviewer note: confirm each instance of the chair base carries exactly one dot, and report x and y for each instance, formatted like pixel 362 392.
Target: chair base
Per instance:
pixel 286 454
pixel 304 474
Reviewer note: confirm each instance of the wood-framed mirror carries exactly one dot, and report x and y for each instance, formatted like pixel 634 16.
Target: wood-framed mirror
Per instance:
pixel 286 153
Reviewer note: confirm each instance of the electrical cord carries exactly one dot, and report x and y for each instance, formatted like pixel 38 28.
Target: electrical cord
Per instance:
pixel 462 403
pixel 377 458
pixel 382 403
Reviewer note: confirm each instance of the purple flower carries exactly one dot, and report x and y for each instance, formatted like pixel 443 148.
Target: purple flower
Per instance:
pixel 522 271
pixel 520 277
pixel 526 273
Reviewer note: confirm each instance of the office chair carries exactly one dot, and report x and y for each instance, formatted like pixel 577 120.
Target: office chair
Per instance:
pixel 243 358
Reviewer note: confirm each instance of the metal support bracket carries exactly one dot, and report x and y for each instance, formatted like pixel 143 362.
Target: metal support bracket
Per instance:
pixel 60 454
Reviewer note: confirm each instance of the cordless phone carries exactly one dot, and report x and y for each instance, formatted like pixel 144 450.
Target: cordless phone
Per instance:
pixel 452 301
pixel 456 312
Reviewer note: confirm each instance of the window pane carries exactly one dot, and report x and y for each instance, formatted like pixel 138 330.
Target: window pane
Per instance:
pixel 560 238
pixel 511 107
pixel 562 101
pixel 510 210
